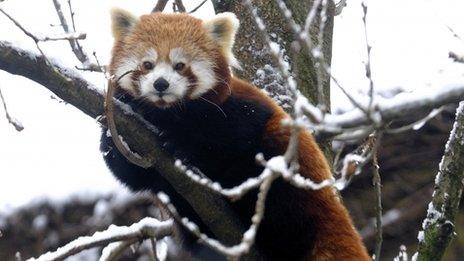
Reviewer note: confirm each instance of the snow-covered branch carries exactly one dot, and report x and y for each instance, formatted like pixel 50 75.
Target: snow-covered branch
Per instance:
pixel 144 229
pixel 399 107
pixel 438 226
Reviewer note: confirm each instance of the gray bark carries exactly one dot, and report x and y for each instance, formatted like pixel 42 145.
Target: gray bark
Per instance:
pixel 439 224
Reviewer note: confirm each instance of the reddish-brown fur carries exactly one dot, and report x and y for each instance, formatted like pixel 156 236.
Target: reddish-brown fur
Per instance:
pixel 335 236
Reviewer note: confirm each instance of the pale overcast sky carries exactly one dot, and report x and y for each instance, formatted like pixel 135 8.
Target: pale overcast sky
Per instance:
pixel 57 153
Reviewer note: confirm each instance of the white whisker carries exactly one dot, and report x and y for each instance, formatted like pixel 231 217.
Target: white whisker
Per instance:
pixel 214 104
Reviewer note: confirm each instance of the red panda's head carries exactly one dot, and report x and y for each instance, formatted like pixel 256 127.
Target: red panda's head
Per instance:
pixel 174 57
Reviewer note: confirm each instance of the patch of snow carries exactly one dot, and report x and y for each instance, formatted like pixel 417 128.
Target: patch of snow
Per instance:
pixel 40 222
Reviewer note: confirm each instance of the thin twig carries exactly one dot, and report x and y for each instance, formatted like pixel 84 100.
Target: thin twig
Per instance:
pixel 109 113
pixel 180 6
pixel 417 124
pixel 368 62
pixel 18 126
pixel 378 192
pixel 160 5
pixel 71 13
pixel 302 35
pixel 320 59
pixel 34 38
pixel 273 48
pixel 456 57
pixel 198 7
pixel 153 248
pixel 74 43
pixel 339 7
pixel 249 236
pixel 310 17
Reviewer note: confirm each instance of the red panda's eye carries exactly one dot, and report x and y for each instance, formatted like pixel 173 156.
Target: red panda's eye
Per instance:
pixel 179 66
pixel 147 65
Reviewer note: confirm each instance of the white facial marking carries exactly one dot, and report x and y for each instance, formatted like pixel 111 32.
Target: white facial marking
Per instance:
pixel 129 63
pixel 177 84
pixel 206 79
pixel 177 55
pixel 151 54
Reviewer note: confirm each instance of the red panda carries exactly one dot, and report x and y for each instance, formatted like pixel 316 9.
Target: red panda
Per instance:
pixel 182 83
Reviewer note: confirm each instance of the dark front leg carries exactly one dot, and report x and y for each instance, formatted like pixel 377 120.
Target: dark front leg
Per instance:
pixel 140 179
pixel 133 176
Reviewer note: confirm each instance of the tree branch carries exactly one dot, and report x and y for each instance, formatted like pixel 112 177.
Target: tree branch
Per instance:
pixel 144 229
pixel 197 7
pixel 160 5
pixel 400 106
pixel 180 6
pixel 439 224
pixel 213 209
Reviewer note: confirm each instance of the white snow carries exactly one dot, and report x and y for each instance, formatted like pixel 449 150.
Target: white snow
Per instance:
pixel 150 226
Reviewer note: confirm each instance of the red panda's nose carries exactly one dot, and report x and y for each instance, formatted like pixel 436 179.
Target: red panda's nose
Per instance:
pixel 161 84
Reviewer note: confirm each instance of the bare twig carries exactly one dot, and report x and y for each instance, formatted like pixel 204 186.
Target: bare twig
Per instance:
pixel 320 59
pixel 454 33
pixel 368 64
pixel 197 7
pixel 18 126
pixel 74 43
pixel 310 17
pixel 180 6
pixel 109 113
pixel 418 124
pixel 249 236
pixel 302 35
pixel 160 5
pixel 153 248
pixel 71 13
pixel 378 192
pixel 339 7
pixel 456 57
pixel 273 48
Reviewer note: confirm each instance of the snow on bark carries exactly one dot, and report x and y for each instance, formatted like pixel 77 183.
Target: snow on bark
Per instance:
pixel 438 227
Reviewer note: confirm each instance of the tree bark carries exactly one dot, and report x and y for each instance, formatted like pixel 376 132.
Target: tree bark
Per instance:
pixel 439 224
pixel 257 65
pixel 251 51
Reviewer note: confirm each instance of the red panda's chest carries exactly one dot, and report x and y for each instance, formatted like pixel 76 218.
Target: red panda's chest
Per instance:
pixel 222 141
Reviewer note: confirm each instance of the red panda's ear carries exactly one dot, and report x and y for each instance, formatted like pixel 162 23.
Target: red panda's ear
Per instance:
pixel 222 29
pixel 122 22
